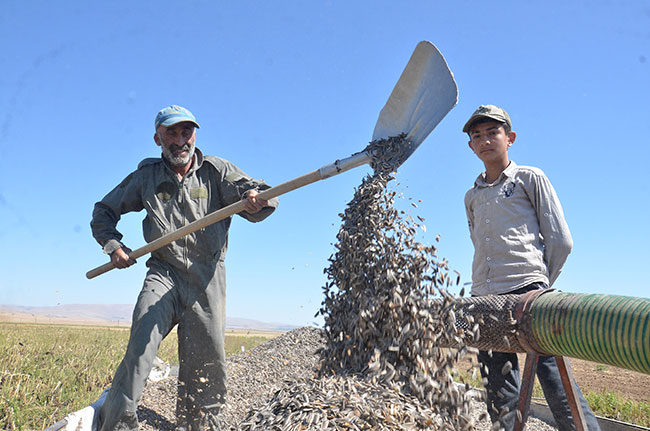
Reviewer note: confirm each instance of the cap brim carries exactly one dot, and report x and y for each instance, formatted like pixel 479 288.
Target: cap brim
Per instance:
pixel 469 123
pixel 473 120
pixel 172 121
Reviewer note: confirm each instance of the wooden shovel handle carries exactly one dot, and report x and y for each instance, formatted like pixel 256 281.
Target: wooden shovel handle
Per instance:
pixel 211 218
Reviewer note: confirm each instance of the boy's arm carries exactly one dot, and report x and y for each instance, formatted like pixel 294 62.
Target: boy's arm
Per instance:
pixel 470 216
pixel 552 225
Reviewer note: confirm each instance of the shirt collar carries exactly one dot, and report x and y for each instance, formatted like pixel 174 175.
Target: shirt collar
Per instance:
pixel 507 172
pixel 198 159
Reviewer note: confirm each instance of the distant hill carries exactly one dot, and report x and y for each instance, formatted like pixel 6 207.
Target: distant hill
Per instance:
pixel 109 314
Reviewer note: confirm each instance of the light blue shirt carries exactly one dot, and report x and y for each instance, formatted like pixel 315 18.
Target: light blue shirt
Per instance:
pixel 518 229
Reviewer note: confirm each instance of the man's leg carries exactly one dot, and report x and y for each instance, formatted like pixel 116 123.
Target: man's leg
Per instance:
pixel 551 382
pixel 202 355
pixel 152 321
pixel 502 389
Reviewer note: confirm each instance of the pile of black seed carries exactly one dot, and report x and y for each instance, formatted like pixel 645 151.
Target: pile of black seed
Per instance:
pixel 386 303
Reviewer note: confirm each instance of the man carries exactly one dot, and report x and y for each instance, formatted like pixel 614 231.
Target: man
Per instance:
pixel 186 281
pixel 521 241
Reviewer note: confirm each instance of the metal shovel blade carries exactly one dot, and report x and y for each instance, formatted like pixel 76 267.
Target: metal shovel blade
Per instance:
pixel 425 93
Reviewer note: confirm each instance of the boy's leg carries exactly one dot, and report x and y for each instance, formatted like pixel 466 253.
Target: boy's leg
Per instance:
pixel 152 321
pixel 551 382
pixel 502 389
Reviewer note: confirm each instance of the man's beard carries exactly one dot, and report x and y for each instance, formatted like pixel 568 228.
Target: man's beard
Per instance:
pixel 180 160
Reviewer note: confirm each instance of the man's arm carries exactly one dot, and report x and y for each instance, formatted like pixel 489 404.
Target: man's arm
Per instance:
pixel 552 225
pixel 235 185
pixel 124 198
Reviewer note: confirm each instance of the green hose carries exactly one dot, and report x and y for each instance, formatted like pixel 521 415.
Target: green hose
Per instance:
pixel 608 329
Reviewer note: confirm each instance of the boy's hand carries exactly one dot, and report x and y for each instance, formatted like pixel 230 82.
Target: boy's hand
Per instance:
pixel 120 258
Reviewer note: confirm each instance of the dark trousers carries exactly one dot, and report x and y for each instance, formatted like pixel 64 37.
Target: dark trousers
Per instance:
pixel 503 390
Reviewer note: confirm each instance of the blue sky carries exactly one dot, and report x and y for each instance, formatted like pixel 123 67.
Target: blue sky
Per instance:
pixel 284 87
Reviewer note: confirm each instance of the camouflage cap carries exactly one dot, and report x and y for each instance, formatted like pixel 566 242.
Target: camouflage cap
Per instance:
pixel 488 111
pixel 174 114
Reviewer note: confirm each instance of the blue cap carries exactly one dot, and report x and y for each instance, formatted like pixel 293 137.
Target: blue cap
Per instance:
pixel 174 114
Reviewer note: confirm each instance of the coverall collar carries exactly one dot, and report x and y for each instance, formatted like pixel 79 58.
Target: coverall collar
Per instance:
pixel 197 162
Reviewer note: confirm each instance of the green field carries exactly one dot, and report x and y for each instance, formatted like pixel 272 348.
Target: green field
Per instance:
pixel 48 371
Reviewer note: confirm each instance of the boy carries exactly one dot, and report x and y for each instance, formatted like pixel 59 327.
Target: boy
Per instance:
pixel 521 241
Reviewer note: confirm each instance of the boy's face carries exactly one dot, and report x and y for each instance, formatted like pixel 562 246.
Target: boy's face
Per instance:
pixel 490 142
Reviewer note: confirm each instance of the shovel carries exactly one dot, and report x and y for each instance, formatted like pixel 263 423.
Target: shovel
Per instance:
pixel 424 94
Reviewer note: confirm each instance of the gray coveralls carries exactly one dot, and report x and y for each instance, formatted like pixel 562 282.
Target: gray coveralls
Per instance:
pixel 185 284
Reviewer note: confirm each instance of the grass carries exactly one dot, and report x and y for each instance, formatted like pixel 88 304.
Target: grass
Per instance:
pixel 614 406
pixel 48 371
pixel 611 405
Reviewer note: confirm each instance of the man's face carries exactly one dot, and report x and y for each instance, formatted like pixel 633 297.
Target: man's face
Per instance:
pixel 177 143
pixel 490 142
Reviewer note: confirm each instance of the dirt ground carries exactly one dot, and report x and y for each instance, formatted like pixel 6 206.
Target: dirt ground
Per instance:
pixel 593 377
pixel 598 378
pixel 11 317
pixel 14 317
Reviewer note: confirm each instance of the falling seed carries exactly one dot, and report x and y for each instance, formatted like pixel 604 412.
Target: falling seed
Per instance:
pixel 379 323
